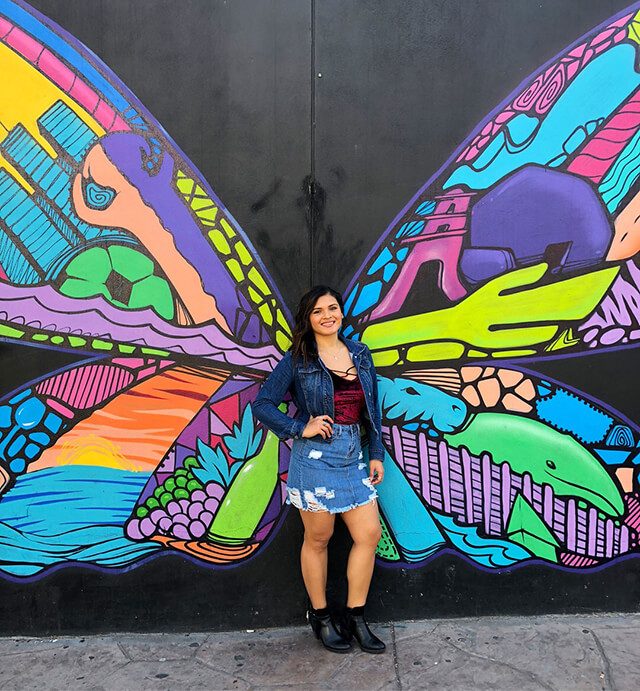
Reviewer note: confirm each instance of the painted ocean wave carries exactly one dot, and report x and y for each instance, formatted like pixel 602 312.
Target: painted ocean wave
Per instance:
pixel 70 513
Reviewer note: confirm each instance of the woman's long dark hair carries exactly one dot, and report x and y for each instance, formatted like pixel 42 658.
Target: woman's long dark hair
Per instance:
pixel 304 342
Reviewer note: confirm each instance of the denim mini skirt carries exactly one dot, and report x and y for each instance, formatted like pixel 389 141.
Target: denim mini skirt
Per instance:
pixel 329 474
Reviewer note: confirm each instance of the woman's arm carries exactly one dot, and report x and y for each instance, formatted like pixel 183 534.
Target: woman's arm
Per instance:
pixel 265 407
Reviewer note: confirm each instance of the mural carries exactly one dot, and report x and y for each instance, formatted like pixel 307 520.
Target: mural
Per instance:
pixel 112 246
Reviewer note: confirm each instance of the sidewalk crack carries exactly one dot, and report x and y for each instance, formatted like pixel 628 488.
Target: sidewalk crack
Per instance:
pixel 394 647
pixel 534 677
pixel 607 682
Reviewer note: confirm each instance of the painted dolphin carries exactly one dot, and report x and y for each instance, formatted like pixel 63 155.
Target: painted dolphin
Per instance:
pixel 549 456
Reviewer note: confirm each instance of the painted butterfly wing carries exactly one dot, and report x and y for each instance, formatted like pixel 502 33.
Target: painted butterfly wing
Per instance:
pixel 520 246
pixel 113 246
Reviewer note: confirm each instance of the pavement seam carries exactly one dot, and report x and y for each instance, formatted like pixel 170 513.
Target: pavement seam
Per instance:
pixel 123 651
pixel 608 678
pixel 224 672
pixel 396 665
pixel 532 675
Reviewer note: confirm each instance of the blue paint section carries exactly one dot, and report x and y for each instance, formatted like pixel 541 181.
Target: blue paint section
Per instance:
pixel 27 427
pixel 592 96
pixel 490 552
pixel 414 530
pixel 39 234
pixel 568 413
pixel 71 513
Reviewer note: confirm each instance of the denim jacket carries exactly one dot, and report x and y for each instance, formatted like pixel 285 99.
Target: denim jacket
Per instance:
pixel 311 388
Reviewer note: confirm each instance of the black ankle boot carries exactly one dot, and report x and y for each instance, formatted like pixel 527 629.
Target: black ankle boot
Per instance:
pixel 326 631
pixel 357 627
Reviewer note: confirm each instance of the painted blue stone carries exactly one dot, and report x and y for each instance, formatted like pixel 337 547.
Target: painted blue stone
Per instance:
pixel 16 446
pixel 384 257
pixel 20 396
pixel 31 451
pixel 389 270
pixel 425 208
pixel 368 297
pixel 17 465
pixel 402 254
pixel 30 413
pixel 349 300
pixel 53 423
pixel 5 416
pixel 40 438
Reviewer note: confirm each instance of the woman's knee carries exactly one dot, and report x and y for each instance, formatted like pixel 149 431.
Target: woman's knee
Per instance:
pixel 318 539
pixel 367 535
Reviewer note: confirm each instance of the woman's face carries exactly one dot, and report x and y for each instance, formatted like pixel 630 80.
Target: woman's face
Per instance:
pixel 326 317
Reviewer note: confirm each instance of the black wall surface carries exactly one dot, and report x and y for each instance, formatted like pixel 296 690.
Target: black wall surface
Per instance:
pixel 315 122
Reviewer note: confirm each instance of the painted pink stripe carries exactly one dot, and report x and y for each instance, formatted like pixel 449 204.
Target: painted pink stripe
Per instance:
pixel 84 385
pixel 148 371
pixel 24 44
pixel 128 362
pixel 443 457
pixel 56 70
pixel 5 27
pixel 59 408
pixel 105 114
pixel 84 95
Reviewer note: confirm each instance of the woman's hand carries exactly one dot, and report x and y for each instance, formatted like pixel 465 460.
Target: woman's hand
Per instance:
pixel 318 425
pixel 376 472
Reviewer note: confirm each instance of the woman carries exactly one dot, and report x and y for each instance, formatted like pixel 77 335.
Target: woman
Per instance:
pixel 332 381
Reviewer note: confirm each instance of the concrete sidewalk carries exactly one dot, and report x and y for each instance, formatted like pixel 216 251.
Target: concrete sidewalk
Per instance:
pixel 550 652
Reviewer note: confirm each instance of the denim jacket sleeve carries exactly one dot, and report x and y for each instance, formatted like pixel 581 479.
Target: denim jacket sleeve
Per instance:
pixel 271 395
pixel 376 447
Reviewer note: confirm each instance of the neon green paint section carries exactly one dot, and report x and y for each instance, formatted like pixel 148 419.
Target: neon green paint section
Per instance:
pixel 248 497
pixel 10 332
pixel 88 274
pixel 386 548
pixel 528 530
pixel 549 456
pixel 508 313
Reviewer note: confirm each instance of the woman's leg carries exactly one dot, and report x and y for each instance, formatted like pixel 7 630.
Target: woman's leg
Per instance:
pixel 364 526
pixel 318 529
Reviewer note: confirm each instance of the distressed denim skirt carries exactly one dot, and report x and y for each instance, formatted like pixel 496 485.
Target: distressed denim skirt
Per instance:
pixel 329 474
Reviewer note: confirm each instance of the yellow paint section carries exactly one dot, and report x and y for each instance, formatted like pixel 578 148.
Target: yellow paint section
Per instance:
pixel 26 95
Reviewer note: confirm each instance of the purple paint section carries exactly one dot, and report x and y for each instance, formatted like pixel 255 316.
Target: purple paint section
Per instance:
pixel 44 308
pixel 521 218
pixel 124 151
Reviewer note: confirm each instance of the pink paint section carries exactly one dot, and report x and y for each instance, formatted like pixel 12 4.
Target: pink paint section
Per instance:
pixel 600 152
pixel 3 275
pixel 59 408
pixel 56 70
pixel 24 44
pixel 105 115
pixel 5 27
pixel 119 125
pixel 84 95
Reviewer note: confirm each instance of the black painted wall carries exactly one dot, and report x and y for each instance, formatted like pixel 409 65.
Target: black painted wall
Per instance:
pixel 315 121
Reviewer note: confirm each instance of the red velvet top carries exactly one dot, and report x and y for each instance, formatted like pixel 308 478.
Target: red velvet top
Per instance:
pixel 348 399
